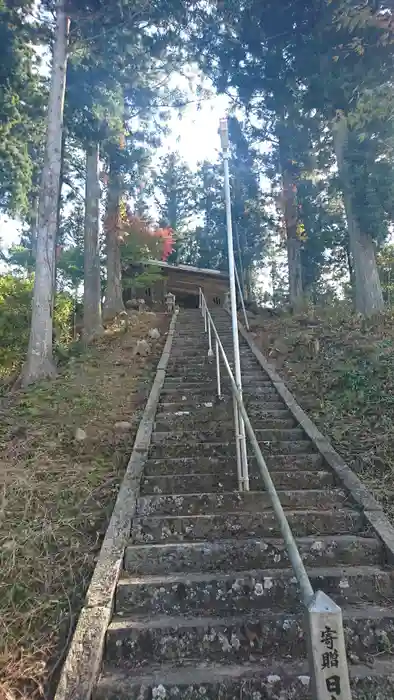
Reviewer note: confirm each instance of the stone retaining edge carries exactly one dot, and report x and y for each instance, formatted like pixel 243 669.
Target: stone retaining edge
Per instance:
pixel 82 665
pixel 372 510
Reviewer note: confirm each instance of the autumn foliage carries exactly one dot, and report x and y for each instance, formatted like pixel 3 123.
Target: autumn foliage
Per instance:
pixel 140 234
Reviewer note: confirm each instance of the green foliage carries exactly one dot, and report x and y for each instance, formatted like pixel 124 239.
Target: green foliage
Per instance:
pixel 324 58
pixel 22 100
pixel 385 260
pixel 15 303
pixel 15 313
pixel 142 280
pixel 175 193
pixel 70 265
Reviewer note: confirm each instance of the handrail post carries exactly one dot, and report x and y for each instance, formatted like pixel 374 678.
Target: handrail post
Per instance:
pixel 239 425
pixel 240 474
pixel 326 649
pixel 210 351
pixel 217 354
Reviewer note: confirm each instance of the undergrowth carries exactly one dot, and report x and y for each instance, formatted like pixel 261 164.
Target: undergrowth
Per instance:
pixel 57 497
pixel 341 368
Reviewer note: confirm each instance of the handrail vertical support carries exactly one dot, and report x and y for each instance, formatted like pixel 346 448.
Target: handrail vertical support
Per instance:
pixel 240 474
pixel 210 351
pixel 326 649
pixel 217 354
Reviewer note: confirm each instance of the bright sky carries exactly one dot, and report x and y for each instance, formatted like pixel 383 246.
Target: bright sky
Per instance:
pixel 195 136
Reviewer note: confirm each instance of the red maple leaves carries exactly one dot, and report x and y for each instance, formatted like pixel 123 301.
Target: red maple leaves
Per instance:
pixel 150 240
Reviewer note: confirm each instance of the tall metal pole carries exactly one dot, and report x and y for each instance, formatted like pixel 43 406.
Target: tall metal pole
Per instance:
pixel 240 433
pixel 241 297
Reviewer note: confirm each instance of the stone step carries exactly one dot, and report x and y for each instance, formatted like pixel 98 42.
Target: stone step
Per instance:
pixel 240 524
pixel 245 591
pixel 216 434
pixel 186 420
pixel 143 639
pixel 221 465
pixel 227 481
pixel 186 402
pixel 216 449
pixel 236 553
pixel 207 378
pixel 199 363
pixel 236 502
pixel 268 681
pixel 193 351
pixel 222 411
pixel 209 389
pixel 190 370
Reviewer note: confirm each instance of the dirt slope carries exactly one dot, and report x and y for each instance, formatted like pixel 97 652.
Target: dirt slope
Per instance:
pixel 341 369
pixel 57 496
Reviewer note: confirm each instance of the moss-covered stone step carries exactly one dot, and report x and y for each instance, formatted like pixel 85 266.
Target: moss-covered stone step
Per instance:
pixel 227 481
pixel 211 527
pixel 236 502
pixel 217 449
pixel 183 401
pixel 140 639
pixel 170 420
pixel 248 377
pixel 268 681
pixel 207 367
pixel 228 555
pixel 219 434
pixel 220 464
pixel 184 420
pixel 269 589
pixel 209 389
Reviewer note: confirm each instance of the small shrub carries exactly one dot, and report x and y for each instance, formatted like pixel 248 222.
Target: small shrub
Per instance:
pixel 15 316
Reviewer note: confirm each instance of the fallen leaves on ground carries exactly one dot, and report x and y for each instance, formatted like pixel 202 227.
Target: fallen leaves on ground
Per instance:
pixel 58 493
pixel 340 367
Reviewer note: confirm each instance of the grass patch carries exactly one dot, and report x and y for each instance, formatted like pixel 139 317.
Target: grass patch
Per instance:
pixel 341 369
pixel 57 496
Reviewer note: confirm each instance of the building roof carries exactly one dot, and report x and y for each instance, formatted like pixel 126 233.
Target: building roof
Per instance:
pixel 188 268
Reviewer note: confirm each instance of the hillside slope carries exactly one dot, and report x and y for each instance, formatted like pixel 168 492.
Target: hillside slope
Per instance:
pixel 62 460
pixel 341 369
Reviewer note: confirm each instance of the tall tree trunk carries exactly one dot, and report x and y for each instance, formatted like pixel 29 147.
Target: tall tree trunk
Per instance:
pixel 39 363
pixel 289 191
pixel 368 295
pixel 33 224
pixel 113 303
pixel 58 242
pixel 92 325
pixel 292 240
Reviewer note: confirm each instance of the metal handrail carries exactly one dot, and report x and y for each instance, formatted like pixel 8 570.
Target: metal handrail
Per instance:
pixel 324 617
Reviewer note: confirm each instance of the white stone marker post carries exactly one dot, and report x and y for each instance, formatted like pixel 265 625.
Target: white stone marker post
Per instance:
pixel 327 652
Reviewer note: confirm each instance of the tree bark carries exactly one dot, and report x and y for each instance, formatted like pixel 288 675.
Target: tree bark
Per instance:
pixel 113 303
pixel 293 242
pixel 39 362
pixel 92 324
pixel 368 295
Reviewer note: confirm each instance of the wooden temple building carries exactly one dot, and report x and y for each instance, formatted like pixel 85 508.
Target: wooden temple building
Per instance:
pixel 182 280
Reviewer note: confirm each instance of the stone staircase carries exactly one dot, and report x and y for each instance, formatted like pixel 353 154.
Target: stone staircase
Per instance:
pixel 207 605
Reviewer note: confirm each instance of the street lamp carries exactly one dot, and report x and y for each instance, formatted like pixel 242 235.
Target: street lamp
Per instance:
pixel 242 459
